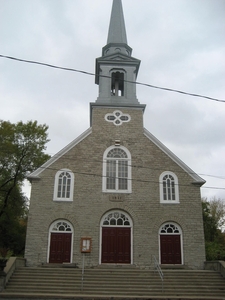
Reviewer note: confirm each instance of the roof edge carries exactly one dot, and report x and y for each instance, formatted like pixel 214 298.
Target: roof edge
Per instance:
pixel 197 179
pixel 36 173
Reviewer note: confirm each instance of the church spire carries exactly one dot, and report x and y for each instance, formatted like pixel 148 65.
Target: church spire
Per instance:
pixel 117 30
pixel 116 69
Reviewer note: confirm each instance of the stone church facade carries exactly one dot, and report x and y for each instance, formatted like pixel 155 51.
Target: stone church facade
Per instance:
pixel 115 194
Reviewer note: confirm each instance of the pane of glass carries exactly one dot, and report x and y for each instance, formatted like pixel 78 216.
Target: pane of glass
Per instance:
pixel 63 191
pixel 112 222
pixel 117 153
pixel 64 179
pixel 111 118
pixel 111 175
pixel 119 222
pixel 122 184
pixel 124 118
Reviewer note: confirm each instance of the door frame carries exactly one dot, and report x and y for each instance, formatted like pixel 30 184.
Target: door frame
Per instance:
pixel 180 233
pixel 131 233
pixel 51 230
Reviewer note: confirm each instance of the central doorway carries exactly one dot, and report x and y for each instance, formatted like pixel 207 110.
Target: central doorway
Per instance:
pixel 116 238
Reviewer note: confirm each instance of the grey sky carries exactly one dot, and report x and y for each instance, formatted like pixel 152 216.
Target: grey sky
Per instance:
pixel 181 44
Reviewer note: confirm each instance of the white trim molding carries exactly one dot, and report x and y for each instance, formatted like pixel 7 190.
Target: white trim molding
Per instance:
pixel 64 185
pixel 196 178
pixel 169 188
pixel 117 174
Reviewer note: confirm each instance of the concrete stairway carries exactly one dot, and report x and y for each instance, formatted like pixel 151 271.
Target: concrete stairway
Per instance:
pixel 113 283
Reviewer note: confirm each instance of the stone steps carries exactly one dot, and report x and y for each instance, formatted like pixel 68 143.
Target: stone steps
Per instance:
pixel 113 283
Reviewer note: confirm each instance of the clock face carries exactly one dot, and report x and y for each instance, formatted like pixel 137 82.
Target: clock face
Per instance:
pixel 117 118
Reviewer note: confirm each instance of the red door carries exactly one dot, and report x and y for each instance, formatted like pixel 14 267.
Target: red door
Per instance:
pixel 170 249
pixel 60 248
pixel 116 245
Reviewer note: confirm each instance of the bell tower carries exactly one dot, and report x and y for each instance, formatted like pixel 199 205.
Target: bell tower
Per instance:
pixel 116 70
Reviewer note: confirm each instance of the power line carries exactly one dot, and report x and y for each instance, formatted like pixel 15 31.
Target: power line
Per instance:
pixel 131 179
pixel 93 74
pixel 71 157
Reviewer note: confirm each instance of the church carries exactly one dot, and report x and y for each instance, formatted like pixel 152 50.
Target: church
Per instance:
pixel 116 195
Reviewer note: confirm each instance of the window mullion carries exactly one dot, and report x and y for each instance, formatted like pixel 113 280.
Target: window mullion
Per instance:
pixel 117 175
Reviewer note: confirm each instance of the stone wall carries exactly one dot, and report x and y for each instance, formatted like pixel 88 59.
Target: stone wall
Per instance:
pixel 90 203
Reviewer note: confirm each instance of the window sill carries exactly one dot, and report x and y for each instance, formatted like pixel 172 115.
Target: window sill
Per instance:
pixel 116 192
pixel 169 202
pixel 62 200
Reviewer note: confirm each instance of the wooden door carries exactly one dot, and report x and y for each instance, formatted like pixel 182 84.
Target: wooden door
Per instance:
pixel 116 245
pixel 60 248
pixel 170 249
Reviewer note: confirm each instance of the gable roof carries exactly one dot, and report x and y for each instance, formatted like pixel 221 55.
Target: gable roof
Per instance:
pixel 197 179
pixel 47 164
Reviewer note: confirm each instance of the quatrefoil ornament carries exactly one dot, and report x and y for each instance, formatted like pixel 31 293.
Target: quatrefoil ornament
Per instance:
pixel 117 118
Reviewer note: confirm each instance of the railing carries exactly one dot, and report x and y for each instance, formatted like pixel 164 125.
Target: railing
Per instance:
pixel 82 274
pixel 159 270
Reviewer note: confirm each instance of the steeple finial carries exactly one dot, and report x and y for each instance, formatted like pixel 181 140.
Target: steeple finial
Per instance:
pixel 117 30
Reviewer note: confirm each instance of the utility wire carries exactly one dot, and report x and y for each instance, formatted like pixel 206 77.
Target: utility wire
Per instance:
pixel 71 158
pixel 130 179
pixel 93 74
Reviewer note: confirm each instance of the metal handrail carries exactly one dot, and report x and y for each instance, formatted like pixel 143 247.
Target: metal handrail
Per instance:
pixel 159 270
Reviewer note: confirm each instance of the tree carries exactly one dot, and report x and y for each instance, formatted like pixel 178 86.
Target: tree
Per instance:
pixel 22 148
pixel 217 209
pixel 214 238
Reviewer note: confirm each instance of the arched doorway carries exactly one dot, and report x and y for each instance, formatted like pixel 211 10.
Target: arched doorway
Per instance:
pixel 60 242
pixel 116 238
pixel 171 248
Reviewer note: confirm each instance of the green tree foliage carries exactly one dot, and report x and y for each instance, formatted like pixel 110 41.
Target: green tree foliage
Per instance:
pixel 22 148
pixel 213 220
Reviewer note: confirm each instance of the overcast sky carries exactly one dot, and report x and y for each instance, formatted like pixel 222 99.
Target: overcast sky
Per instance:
pixel 181 45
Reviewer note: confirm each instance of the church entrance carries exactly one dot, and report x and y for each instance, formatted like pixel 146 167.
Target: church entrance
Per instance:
pixel 60 242
pixel 116 238
pixel 170 244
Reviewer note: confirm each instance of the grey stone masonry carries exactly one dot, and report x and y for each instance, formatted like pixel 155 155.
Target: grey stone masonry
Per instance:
pixel 90 203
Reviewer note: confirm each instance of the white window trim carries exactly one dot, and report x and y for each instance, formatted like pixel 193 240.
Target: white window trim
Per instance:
pixel 129 185
pixel 177 200
pixel 55 197
pixel 117 118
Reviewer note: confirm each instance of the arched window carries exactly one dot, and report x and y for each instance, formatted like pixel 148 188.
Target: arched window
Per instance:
pixel 64 182
pixel 169 191
pixel 60 226
pixel 170 228
pixel 116 218
pixel 117 170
